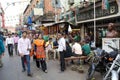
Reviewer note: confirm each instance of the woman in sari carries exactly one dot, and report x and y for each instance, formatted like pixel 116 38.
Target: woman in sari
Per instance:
pixel 39 51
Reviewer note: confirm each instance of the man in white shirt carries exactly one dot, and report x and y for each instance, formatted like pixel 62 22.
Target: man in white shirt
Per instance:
pixel 24 46
pixel 76 49
pixel 9 44
pixel 16 38
pixel 62 49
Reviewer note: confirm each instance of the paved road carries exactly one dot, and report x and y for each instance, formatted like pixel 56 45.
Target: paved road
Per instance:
pixel 12 71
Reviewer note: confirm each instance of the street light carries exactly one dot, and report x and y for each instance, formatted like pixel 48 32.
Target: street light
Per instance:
pixel 13 3
pixel 9 5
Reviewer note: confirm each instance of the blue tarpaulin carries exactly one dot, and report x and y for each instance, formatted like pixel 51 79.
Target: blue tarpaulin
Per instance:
pixel 29 20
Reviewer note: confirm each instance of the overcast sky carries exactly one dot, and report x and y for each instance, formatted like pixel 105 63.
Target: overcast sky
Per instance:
pixel 12 11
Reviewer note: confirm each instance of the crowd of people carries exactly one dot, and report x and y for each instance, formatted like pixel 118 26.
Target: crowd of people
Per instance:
pixel 37 46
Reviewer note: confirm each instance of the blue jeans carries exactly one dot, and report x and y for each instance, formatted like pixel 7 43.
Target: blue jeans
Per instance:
pixel 26 60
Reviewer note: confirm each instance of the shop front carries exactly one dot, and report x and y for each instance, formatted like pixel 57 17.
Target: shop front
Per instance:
pixel 85 19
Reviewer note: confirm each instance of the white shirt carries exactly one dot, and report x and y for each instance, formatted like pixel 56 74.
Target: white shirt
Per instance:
pixel 61 44
pixel 9 41
pixel 76 48
pixel 23 46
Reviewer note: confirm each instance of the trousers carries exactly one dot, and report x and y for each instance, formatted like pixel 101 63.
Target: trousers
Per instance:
pixel 26 61
pixel 10 49
pixel 41 62
pixel 62 60
pixel 1 64
pixel 16 51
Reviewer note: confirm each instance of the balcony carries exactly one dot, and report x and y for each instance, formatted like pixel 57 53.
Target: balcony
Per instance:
pixel 40 4
pixel 46 17
pixel 50 16
pixel 86 14
pixel 56 3
pixel 37 11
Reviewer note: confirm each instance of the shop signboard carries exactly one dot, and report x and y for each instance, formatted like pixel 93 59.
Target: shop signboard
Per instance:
pixel 38 11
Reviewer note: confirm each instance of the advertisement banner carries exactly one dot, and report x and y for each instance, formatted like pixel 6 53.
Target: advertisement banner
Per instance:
pixel 38 11
pixel 113 42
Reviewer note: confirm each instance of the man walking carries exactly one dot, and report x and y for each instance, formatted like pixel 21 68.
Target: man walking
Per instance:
pixel 61 49
pixel 9 44
pixel 24 46
pixel 16 38
pixel 2 49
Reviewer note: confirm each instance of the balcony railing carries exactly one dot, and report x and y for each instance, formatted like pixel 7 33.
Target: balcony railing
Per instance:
pixel 40 4
pixel 49 16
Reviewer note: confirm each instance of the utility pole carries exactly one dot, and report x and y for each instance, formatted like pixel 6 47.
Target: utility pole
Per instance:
pixel 94 23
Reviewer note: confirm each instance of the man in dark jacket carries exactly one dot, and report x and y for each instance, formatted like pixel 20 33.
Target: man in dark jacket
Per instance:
pixel 2 49
pixel 1 36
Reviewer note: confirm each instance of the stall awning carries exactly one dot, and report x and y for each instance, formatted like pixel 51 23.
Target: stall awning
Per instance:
pixel 48 24
pixel 45 24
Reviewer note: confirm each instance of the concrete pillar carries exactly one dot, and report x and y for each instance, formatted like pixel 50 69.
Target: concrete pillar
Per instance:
pixel 82 31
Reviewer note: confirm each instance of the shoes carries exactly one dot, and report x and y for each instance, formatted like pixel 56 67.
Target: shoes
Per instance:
pixel 1 65
pixel 45 71
pixel 30 75
pixel 23 70
pixel 61 71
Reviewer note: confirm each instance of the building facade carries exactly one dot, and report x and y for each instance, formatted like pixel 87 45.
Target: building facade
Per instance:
pixel 79 13
pixel 82 13
pixel 41 11
pixel 85 19
pixel 29 10
pixel 2 21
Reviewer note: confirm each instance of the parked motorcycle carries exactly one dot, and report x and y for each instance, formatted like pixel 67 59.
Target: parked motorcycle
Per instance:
pixel 101 58
pixel 113 69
